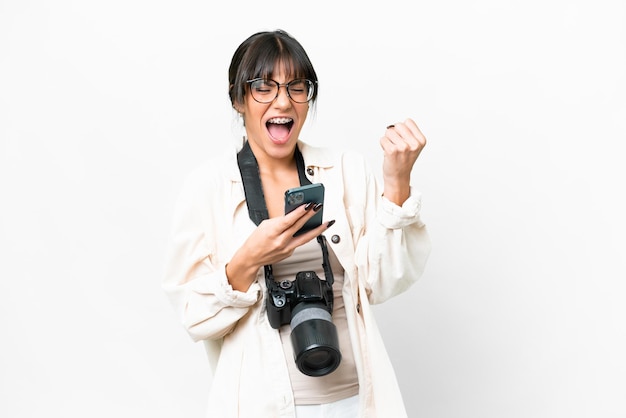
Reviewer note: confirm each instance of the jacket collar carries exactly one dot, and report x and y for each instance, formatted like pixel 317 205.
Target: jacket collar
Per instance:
pixel 315 157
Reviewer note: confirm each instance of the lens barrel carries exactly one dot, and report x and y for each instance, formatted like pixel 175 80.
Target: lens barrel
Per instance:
pixel 314 339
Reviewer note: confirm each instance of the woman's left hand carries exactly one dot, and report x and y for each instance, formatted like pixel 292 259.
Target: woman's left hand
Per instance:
pixel 402 144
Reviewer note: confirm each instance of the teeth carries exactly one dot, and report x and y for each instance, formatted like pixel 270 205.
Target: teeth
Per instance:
pixel 280 121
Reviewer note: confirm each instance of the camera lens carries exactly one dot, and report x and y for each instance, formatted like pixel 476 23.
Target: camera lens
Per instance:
pixel 318 361
pixel 314 339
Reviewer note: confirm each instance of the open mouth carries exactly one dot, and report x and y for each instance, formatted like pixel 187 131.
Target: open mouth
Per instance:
pixel 279 128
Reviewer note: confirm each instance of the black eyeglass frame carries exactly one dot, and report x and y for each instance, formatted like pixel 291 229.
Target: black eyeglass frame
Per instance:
pixel 311 84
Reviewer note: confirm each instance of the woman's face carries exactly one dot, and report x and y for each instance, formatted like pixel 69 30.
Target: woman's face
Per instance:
pixel 273 128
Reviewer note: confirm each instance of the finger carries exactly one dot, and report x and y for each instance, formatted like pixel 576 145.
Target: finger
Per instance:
pixel 314 208
pixel 297 215
pixel 388 145
pixel 410 134
pixel 394 142
pixel 309 235
pixel 395 132
pixel 410 123
pixel 407 124
pixel 289 219
pixel 392 131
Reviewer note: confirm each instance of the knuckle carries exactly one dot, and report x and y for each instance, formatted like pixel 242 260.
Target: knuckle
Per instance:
pixel 279 243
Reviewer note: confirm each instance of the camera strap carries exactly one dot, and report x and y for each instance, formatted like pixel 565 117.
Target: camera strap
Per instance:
pixel 257 208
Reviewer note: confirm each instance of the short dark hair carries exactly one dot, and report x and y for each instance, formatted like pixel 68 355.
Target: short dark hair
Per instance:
pixel 258 56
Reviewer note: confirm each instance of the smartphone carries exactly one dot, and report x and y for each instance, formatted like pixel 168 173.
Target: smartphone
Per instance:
pixel 297 196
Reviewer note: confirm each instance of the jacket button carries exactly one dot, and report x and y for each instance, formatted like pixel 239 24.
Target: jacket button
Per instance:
pixel 335 239
pixel 310 171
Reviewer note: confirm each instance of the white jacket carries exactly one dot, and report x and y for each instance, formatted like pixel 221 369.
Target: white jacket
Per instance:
pixel 382 247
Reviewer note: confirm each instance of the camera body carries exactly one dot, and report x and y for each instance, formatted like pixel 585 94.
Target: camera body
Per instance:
pixel 283 297
pixel 306 304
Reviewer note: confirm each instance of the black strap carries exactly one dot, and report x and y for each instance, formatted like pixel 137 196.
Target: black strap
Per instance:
pixel 328 272
pixel 252 187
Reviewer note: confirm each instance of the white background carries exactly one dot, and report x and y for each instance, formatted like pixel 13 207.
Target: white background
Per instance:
pixel 106 106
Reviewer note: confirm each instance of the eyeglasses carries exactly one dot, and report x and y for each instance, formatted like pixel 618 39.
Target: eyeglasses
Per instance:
pixel 264 90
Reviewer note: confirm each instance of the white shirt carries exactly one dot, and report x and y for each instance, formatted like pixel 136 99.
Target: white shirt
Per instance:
pixel 382 247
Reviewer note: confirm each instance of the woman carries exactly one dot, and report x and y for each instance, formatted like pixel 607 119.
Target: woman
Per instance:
pixel 223 257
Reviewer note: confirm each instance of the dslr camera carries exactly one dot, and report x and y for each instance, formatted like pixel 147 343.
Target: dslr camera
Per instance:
pixel 306 304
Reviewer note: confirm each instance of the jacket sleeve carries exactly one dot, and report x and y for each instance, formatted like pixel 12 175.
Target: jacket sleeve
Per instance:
pixel 195 281
pixel 393 244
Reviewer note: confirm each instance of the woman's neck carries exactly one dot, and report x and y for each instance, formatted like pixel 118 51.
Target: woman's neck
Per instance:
pixel 274 166
pixel 277 175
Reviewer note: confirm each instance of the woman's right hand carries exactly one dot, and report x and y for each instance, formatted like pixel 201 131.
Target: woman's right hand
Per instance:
pixel 272 241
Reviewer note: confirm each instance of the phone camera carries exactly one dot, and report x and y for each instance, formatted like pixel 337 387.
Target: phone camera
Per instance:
pixel 296 198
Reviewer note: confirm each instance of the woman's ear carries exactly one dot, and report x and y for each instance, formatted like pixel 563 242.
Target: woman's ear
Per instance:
pixel 236 104
pixel 238 107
